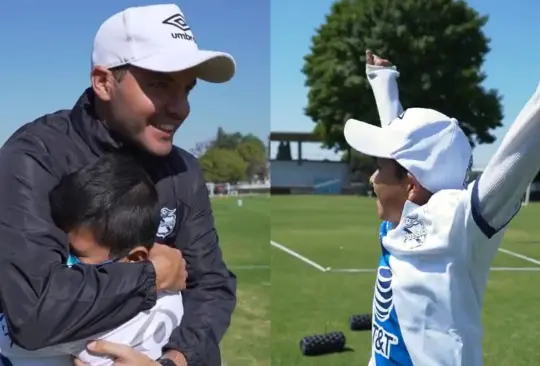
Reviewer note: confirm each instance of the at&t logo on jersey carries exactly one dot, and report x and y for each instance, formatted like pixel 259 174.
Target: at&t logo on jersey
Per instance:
pixel 383 293
pixel 382 309
pixel 382 341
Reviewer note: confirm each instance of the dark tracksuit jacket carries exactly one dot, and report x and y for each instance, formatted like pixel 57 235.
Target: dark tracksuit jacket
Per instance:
pixel 45 302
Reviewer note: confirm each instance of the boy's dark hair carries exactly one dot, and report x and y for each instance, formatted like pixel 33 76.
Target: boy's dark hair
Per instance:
pixel 113 197
pixel 401 172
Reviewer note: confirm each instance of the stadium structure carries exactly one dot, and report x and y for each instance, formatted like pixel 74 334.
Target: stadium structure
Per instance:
pixel 308 176
pixel 300 175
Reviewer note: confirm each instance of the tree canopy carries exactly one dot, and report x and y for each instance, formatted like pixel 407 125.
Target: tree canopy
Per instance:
pixel 232 157
pixel 438 46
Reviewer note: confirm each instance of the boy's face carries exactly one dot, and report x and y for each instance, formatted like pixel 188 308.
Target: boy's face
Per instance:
pixel 84 245
pixel 390 189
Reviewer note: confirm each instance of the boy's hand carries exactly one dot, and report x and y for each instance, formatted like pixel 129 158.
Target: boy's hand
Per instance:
pixel 372 59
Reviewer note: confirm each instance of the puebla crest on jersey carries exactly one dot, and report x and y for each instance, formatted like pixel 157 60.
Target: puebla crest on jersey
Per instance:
pixel 167 222
pixel 415 231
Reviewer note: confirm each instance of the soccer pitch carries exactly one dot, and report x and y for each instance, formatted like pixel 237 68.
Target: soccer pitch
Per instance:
pixel 341 232
pixel 244 234
pixel 277 306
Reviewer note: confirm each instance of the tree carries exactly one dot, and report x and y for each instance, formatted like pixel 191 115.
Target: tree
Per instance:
pixel 253 152
pixel 438 46
pixel 248 148
pixel 227 141
pixel 223 166
pixel 201 148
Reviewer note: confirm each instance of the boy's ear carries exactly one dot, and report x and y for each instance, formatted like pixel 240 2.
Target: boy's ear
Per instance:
pixel 138 254
pixel 416 192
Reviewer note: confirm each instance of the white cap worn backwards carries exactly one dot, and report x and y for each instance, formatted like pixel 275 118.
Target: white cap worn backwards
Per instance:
pixel 430 145
pixel 157 38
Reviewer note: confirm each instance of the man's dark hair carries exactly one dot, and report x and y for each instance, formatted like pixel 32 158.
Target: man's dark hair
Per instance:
pixel 114 198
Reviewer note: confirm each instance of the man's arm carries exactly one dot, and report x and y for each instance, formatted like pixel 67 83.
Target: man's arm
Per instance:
pixel 210 297
pixel 45 302
pixel 497 194
pixel 382 77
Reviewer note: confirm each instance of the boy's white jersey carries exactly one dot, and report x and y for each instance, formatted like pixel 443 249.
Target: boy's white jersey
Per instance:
pixel 435 264
pixel 431 279
pixel 147 332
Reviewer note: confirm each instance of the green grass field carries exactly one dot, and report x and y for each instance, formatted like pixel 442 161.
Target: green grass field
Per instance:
pixel 280 305
pixel 244 234
pixel 341 232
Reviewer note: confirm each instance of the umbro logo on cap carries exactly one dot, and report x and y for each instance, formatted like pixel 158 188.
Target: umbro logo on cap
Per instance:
pixel 178 21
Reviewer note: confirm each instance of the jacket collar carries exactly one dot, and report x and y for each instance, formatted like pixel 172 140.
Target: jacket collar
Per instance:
pixel 90 128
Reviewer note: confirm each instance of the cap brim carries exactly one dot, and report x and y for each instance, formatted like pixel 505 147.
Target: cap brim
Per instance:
pixel 368 139
pixel 211 66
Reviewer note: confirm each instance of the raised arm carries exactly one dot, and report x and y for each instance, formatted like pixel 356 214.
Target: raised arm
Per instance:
pixel 382 77
pixel 45 302
pixel 498 191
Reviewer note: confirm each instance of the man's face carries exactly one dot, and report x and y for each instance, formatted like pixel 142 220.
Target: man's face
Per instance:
pixel 391 189
pixel 148 107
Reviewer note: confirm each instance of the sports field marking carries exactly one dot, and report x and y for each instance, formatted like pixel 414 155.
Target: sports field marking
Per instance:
pixel 367 270
pixel 297 255
pixel 521 256
pixel 249 267
pixel 372 270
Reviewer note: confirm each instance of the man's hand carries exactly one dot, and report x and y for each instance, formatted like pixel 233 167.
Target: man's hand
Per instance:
pixel 121 354
pixel 372 59
pixel 177 357
pixel 170 268
pixel 126 356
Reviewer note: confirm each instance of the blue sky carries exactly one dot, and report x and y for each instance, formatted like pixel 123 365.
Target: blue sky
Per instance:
pixel 46 49
pixel 512 65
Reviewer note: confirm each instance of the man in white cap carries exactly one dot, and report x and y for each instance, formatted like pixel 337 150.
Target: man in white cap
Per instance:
pixel 145 62
pixel 439 233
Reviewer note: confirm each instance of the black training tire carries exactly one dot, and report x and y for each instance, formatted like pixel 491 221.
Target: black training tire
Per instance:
pixel 360 322
pixel 321 344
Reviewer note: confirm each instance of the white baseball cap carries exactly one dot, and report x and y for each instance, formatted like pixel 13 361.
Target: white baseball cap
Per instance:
pixel 157 38
pixel 428 144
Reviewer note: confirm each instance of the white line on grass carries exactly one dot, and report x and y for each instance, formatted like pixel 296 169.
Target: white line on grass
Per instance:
pixel 521 256
pixel 371 270
pixel 297 255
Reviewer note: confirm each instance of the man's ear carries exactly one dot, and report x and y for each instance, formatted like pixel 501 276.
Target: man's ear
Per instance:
pixel 103 83
pixel 138 254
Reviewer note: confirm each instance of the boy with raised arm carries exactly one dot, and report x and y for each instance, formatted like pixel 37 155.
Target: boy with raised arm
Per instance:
pixel 439 233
